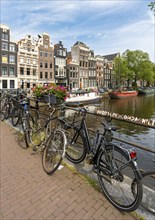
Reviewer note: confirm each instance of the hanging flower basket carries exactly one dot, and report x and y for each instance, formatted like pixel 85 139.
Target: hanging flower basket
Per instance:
pixel 53 94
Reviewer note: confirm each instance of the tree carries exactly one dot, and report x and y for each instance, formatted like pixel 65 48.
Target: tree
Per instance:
pixel 152 7
pixel 134 65
pixel 134 61
pixel 147 73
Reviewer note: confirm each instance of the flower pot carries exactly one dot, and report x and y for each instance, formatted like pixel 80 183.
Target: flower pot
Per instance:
pixel 51 99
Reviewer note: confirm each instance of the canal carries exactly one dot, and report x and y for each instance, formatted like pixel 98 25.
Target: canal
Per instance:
pixel 140 107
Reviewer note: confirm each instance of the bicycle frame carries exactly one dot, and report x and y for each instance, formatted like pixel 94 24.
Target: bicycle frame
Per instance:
pixel 97 146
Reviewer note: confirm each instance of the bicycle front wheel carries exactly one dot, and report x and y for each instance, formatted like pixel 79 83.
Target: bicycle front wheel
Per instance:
pixel 54 151
pixel 76 149
pixel 116 174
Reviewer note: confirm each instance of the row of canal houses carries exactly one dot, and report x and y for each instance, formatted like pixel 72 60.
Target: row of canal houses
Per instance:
pixel 32 61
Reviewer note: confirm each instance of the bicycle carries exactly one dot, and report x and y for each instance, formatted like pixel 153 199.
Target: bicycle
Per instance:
pixel 49 138
pixel 115 166
pixel 24 119
pixel 55 143
pixel 6 105
pixel 16 110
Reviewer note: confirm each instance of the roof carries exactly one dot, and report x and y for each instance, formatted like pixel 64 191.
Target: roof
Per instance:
pixel 111 56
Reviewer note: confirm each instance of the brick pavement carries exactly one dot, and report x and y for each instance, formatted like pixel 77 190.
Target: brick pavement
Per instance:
pixel 28 193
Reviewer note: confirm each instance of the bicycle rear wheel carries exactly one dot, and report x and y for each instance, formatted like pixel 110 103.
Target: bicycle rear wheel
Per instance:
pixel 116 174
pixel 27 125
pixel 54 151
pixel 148 200
pixel 76 149
pixel 4 111
pixel 15 116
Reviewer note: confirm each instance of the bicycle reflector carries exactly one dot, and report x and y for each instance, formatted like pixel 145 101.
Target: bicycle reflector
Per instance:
pixel 133 154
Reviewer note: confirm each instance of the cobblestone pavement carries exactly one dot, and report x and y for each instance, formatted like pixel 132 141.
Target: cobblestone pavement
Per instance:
pixel 27 192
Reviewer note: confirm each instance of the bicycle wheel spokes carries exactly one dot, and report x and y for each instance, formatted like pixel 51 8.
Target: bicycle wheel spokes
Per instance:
pixel 115 176
pixel 15 116
pixel 54 152
pixel 76 150
pixel 4 111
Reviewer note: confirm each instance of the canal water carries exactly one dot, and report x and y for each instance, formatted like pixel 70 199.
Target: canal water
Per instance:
pixel 141 107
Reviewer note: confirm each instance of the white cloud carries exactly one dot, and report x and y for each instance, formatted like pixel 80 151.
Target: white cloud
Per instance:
pixel 105 26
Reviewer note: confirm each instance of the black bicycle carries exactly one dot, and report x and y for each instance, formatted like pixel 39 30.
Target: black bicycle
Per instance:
pixel 48 138
pixel 21 116
pixel 115 166
pixel 6 105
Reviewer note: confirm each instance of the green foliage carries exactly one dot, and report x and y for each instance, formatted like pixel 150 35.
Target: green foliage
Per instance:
pixel 134 65
pixel 152 7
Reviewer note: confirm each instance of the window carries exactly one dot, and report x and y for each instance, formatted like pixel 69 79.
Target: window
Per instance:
pixel 28 71
pixel 12 72
pixel 4 71
pixel 45 45
pixel 12 59
pixel 34 61
pixel 4 84
pixel 46 54
pixel 51 65
pixel 21 60
pixel 41 65
pixel 28 61
pixel 28 85
pixel 46 75
pixel 5 36
pixel 12 47
pixel 34 72
pixel 41 53
pixel 60 52
pixel 21 70
pixel 12 84
pixel 41 75
pixel 4 58
pixel 50 54
pixel 50 75
pixel 4 46
pixel 46 65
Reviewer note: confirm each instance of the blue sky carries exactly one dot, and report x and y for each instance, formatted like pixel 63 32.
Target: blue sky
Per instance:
pixel 105 26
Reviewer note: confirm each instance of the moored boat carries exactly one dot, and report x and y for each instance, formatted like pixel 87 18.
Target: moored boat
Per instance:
pixel 82 98
pixel 146 90
pixel 122 94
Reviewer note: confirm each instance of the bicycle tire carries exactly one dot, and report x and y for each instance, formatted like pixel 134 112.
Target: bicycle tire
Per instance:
pixel 117 187
pixel 54 151
pixel 15 116
pixel 27 124
pixel 4 111
pixel 76 148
